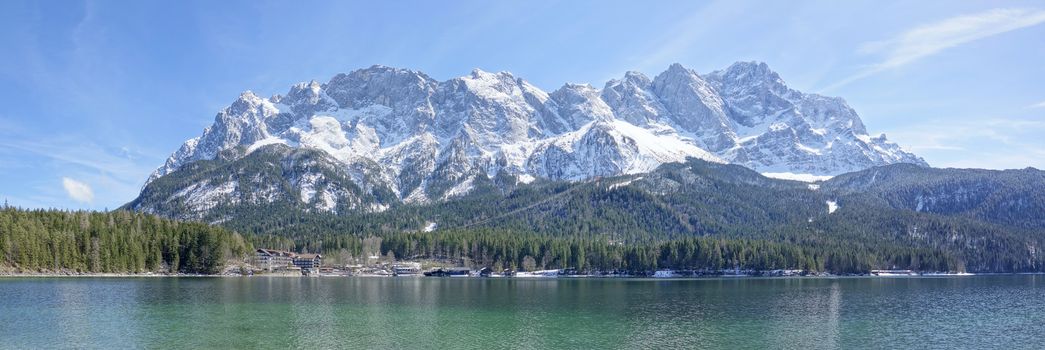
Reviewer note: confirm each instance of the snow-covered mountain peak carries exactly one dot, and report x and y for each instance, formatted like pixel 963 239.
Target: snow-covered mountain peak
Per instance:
pixel 310 92
pixel 400 135
pixel 677 68
pixel 482 81
pixel 749 76
pixel 246 100
pixel 632 77
pixel 578 86
pixel 632 99
pixel 748 71
pixel 579 104
pixel 479 73
pixel 312 88
pixel 693 105
pixel 503 79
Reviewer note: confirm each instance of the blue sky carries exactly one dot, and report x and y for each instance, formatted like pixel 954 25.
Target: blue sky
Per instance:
pixel 95 95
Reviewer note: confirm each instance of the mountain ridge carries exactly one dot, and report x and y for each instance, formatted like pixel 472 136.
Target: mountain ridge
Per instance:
pixel 400 131
pixel 878 224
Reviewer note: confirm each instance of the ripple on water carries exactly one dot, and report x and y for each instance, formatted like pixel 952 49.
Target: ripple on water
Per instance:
pixel 429 313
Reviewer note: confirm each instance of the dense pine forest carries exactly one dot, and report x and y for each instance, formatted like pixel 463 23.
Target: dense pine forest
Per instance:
pixel 755 223
pixel 509 249
pixel 126 242
pixel 112 242
pixel 693 216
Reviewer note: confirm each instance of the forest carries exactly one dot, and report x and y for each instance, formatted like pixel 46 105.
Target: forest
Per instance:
pixel 500 249
pixel 127 242
pixel 113 242
pixel 692 216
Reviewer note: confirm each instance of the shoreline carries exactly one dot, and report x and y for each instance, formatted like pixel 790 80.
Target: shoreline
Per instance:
pixel 708 277
pixel 105 275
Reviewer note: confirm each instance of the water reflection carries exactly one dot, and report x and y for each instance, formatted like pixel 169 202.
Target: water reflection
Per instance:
pixel 430 313
pixel 72 304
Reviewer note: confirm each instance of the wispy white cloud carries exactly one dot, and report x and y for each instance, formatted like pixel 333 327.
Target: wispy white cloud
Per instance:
pixel 995 143
pixel 115 173
pixel 1037 105
pixel 929 39
pixel 78 191
pixel 124 164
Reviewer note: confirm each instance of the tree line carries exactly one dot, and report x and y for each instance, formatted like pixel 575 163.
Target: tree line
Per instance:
pixel 113 242
pixel 507 249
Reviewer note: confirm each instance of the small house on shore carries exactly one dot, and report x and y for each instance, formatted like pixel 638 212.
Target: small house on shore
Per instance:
pixel 406 269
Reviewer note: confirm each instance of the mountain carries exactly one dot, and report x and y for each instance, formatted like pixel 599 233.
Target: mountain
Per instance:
pixel 301 178
pixel 381 136
pixel 1007 197
pixel 783 130
pixel 846 220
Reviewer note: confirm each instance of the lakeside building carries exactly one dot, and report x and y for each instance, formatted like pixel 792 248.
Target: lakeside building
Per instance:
pixel 271 259
pixel 406 269
pixel 274 260
pixel 449 272
pixel 308 262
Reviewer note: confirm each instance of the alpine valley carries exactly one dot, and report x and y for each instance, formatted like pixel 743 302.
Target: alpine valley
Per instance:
pixel 437 168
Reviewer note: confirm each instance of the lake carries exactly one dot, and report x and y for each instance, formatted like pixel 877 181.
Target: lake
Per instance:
pixel 1004 311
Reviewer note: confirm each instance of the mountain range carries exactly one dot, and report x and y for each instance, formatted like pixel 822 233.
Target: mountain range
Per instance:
pixel 381 137
pixel 489 167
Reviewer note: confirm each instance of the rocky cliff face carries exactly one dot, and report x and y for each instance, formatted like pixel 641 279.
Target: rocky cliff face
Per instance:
pixel 394 135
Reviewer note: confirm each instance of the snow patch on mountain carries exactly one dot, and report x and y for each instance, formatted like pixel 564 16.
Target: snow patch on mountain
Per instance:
pixel 798 177
pixel 625 182
pixel 401 131
pixel 205 196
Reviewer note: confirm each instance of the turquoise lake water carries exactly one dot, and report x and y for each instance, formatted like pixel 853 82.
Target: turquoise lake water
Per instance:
pixel 470 313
